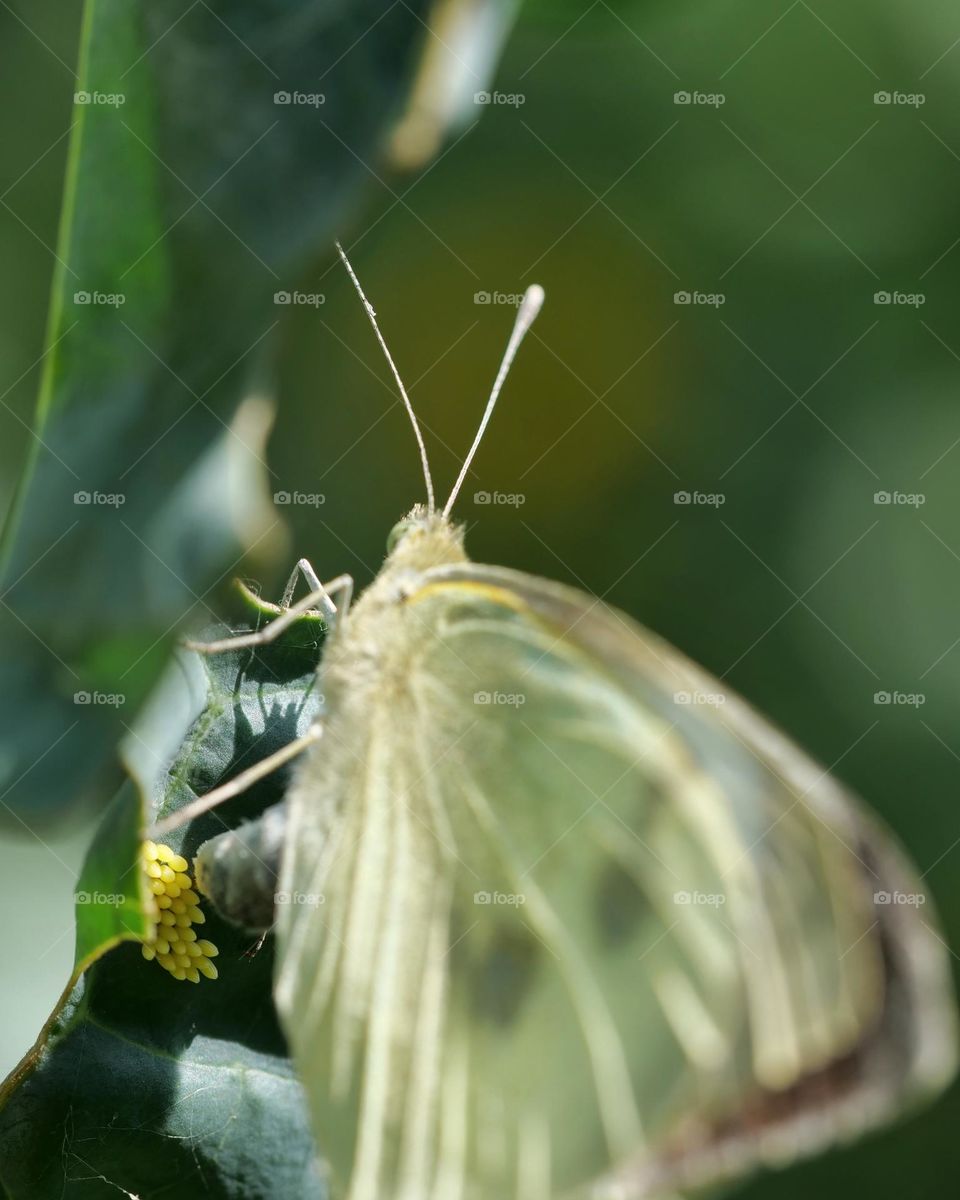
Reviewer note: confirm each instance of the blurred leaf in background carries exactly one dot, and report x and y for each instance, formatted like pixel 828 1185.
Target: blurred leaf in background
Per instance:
pixel 212 146
pixel 820 182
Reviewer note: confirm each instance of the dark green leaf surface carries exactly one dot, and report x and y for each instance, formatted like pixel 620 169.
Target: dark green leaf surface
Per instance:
pixel 153 1086
pixel 192 198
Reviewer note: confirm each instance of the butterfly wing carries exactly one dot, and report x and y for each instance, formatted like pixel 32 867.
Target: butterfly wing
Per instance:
pixel 589 926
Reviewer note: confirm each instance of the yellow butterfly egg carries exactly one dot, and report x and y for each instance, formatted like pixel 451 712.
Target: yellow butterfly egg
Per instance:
pixel 172 942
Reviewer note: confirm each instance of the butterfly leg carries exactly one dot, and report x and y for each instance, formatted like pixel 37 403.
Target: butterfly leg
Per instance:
pixel 305 568
pixel 342 587
pixel 239 783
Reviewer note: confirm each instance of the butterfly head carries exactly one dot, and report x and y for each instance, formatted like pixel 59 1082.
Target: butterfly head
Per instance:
pixel 425 539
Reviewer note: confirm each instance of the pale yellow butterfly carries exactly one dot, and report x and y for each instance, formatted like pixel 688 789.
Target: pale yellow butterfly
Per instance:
pixel 555 927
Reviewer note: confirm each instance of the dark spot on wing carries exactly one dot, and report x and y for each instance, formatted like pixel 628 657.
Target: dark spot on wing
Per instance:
pixel 620 905
pixel 655 794
pixel 505 974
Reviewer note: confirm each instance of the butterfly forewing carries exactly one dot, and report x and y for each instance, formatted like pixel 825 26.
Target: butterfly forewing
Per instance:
pixel 580 934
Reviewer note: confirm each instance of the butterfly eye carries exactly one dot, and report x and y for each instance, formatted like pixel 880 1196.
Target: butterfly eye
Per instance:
pixel 397 533
pixel 173 941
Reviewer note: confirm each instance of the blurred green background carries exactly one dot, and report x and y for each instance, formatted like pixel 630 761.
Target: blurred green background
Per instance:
pixel 786 186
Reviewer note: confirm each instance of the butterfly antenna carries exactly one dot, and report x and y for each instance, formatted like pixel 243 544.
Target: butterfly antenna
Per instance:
pixel 526 315
pixel 427 478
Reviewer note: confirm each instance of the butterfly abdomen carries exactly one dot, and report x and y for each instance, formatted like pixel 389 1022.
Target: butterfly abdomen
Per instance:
pixel 237 870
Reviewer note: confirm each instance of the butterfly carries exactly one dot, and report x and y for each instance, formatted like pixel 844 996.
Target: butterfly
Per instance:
pixel 550 925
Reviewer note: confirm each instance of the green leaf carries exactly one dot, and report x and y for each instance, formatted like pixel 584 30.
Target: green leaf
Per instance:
pixel 110 898
pixel 138 1080
pixel 192 198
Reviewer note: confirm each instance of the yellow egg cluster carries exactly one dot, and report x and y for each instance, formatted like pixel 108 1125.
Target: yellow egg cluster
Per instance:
pixel 173 940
